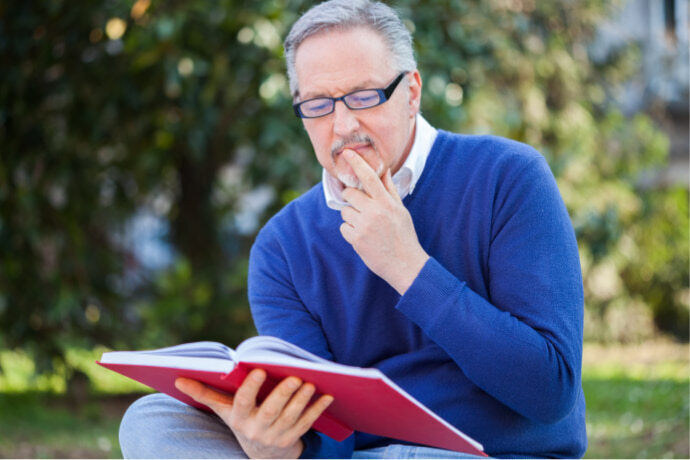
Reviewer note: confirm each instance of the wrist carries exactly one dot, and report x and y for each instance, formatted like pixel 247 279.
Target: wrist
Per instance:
pixel 298 449
pixel 404 276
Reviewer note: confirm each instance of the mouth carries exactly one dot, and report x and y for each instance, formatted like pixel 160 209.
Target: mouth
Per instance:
pixel 359 148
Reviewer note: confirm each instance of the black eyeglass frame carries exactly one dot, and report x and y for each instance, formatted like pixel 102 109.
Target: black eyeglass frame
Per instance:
pixel 384 95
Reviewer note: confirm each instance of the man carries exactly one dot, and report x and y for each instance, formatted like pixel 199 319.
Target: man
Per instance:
pixel 447 261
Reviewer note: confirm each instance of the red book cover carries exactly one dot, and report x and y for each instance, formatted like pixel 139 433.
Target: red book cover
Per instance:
pixel 365 399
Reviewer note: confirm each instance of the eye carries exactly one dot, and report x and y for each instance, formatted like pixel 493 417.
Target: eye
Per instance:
pixel 317 105
pixel 365 98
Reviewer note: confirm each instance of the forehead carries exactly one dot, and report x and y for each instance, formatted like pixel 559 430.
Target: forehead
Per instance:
pixel 338 61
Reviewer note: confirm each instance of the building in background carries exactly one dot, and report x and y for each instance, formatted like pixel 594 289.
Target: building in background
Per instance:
pixel 660 28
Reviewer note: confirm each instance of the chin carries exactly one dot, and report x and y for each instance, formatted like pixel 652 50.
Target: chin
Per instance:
pixel 350 180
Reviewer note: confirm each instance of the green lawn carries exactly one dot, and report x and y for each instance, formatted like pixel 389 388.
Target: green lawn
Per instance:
pixel 637 401
pixel 637 405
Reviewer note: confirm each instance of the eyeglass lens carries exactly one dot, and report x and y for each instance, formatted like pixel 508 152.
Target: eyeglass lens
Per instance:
pixel 357 100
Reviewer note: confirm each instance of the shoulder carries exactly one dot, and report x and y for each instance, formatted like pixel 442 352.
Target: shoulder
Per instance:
pixel 298 219
pixel 484 158
pixel 485 148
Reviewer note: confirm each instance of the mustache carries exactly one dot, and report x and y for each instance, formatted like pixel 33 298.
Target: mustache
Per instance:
pixel 352 139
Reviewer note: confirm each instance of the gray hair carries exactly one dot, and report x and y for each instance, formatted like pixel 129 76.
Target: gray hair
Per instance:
pixel 346 14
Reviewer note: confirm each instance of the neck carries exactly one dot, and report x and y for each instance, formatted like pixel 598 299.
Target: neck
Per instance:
pixel 408 147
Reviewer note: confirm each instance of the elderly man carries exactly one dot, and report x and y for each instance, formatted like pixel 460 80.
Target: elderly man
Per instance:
pixel 446 261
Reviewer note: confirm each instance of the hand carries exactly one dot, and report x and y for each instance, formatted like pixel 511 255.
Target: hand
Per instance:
pixel 271 430
pixel 379 227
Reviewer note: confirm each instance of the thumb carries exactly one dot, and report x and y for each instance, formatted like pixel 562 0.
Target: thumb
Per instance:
pixel 202 393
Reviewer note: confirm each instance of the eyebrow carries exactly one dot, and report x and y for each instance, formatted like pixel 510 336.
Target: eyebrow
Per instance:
pixel 367 84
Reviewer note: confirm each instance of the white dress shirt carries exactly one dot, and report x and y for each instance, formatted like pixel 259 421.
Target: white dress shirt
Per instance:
pixel 407 176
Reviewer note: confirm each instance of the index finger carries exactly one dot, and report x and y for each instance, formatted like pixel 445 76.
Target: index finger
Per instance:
pixel 245 397
pixel 367 176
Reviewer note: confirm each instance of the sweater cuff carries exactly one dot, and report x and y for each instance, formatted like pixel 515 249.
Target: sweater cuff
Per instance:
pixel 434 285
pixel 318 445
pixel 312 444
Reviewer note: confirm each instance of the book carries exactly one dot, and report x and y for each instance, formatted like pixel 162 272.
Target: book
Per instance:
pixel 364 398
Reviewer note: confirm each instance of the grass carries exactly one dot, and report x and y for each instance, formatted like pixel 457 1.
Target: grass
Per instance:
pixel 38 425
pixel 40 418
pixel 637 405
pixel 637 400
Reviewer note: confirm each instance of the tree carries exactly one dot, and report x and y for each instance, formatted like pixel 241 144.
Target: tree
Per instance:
pixel 180 110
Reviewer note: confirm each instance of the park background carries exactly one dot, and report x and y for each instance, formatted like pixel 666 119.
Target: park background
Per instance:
pixel 143 144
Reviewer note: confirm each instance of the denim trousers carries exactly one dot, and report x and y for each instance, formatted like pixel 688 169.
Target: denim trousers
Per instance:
pixel 158 426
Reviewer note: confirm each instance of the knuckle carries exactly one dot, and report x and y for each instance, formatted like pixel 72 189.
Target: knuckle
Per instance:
pixel 269 413
pixel 235 424
pixel 303 425
pixel 283 443
pixel 243 405
pixel 290 418
pixel 252 435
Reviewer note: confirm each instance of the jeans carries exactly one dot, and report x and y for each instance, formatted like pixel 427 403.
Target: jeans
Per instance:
pixel 158 426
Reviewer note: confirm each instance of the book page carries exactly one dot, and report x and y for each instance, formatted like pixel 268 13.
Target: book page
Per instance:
pixel 196 349
pixel 202 356
pixel 272 350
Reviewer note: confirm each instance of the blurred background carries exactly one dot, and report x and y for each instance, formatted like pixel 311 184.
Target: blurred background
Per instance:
pixel 144 143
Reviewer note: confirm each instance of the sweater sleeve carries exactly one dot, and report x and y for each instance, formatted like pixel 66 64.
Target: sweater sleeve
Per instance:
pixel 278 311
pixel 523 343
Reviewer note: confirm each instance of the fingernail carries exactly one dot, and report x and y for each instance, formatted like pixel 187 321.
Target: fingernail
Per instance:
pixel 258 376
pixel 293 384
pixel 308 389
pixel 327 400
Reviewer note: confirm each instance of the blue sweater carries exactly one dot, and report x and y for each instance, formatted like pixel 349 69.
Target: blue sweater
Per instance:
pixel 489 335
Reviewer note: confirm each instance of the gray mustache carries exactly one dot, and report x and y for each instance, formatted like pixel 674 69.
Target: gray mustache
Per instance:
pixel 354 139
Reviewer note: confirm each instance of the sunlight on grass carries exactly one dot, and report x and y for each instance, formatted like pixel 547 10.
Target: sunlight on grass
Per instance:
pixel 19 374
pixel 102 380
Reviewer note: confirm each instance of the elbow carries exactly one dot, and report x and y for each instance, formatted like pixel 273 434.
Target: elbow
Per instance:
pixel 555 405
pixel 554 412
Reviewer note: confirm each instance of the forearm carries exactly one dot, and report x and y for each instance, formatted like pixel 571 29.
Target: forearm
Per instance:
pixel 535 372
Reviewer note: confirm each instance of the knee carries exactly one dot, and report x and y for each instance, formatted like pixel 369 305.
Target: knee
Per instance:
pixel 138 427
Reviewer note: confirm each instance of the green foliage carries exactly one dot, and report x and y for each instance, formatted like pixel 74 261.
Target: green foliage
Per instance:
pixel 113 107
pixel 181 109
pixel 522 70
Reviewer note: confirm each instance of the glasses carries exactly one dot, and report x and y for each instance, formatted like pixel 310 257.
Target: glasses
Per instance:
pixel 356 100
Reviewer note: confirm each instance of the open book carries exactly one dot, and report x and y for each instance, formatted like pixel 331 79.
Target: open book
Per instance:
pixel 365 399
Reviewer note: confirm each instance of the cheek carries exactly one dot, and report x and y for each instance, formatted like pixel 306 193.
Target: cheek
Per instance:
pixel 321 144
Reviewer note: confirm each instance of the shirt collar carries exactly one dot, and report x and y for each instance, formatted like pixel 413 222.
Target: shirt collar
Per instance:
pixel 407 176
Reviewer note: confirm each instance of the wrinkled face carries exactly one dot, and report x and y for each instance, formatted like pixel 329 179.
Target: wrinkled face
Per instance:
pixel 334 63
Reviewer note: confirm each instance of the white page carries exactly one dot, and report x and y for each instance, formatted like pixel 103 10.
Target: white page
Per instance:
pixel 160 360
pixel 205 356
pixel 272 350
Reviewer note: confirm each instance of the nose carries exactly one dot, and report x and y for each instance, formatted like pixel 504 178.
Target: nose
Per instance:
pixel 344 120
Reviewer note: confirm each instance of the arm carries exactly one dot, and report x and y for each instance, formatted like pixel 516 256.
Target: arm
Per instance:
pixel 522 341
pixel 280 426
pixel 278 311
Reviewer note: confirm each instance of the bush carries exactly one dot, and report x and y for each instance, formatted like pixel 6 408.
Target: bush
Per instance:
pixel 180 112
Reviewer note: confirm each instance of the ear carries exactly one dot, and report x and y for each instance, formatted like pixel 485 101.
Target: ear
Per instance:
pixel 415 87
